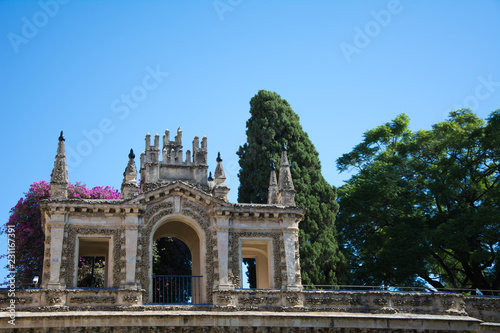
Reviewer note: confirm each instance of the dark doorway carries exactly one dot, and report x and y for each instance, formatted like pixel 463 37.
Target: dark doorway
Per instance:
pixel 91 272
pixel 171 257
pixel 173 282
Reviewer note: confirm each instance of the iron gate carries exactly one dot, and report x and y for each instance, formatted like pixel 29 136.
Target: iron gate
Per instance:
pixel 177 289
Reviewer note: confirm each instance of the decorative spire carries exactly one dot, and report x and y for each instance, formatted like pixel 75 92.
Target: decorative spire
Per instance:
pixel 220 175
pixel 130 188
pixel 287 191
pixel 59 175
pixel 220 189
pixel 272 195
pixel 210 181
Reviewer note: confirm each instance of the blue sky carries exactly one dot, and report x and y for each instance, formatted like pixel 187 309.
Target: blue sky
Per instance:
pixel 109 72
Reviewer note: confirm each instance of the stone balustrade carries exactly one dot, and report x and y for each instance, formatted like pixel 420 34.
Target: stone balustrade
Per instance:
pixel 375 302
pixel 252 311
pixel 47 299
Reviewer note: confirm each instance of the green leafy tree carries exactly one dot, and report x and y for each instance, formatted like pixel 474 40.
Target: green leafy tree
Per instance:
pixel 272 123
pixel 424 206
pixel 91 272
pixel 171 257
pixel 251 272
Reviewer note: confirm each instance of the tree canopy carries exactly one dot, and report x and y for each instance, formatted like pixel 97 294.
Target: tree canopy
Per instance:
pixel 272 123
pixel 423 207
pixel 171 256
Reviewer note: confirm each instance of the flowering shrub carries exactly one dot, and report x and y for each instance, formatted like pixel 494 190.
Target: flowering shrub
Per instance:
pixel 79 191
pixel 25 218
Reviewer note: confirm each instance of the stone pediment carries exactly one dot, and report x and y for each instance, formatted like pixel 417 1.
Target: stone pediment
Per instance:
pixel 178 188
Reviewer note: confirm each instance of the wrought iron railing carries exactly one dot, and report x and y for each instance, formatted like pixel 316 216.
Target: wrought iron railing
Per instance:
pixel 420 289
pixel 177 289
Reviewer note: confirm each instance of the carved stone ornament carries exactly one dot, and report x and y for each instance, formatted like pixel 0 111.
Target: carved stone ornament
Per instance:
pixel 278 253
pixel 68 252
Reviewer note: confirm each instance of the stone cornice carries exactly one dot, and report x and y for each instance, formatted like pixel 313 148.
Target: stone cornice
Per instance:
pixel 259 211
pixel 89 206
pixel 137 205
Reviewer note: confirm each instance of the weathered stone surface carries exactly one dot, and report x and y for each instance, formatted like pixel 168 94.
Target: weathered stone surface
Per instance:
pixel 241 321
pixel 174 192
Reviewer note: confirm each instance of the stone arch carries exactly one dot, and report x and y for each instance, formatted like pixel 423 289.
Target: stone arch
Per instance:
pixel 188 231
pixel 176 227
pixel 193 216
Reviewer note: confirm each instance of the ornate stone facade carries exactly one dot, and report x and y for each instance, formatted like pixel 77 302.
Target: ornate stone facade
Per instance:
pixel 175 200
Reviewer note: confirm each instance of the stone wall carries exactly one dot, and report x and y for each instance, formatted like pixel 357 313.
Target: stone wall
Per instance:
pixel 52 300
pixel 374 302
pixel 484 308
pixel 377 302
pixel 251 311
pixel 239 322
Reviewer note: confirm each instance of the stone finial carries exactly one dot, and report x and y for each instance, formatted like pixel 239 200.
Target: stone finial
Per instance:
pixel 210 181
pixel 220 175
pixel 178 136
pixel 148 141
pixel 220 189
pixel 286 192
pixel 59 176
pixel 166 137
pixel 272 195
pixel 157 141
pixel 130 188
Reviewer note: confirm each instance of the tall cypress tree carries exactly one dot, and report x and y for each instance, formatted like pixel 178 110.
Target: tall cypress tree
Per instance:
pixel 272 123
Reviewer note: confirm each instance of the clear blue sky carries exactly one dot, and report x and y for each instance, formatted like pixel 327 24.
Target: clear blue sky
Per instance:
pixel 344 66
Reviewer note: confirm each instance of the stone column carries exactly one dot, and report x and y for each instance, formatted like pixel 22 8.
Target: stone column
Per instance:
pixel 56 244
pixel 290 241
pixel 222 228
pixel 131 234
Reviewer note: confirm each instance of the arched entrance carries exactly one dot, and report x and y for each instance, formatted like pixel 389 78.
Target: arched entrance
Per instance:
pixel 179 288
